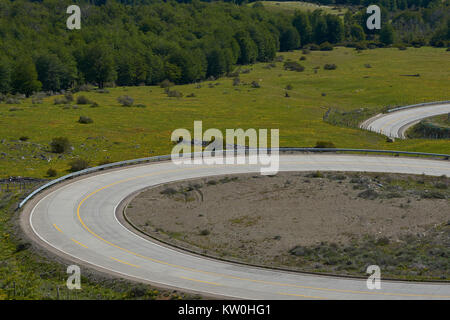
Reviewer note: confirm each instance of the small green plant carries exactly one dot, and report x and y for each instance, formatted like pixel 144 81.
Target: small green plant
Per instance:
pixel 78 164
pixel 204 232
pixel 60 145
pixel 52 172
pixel 324 144
pixel 85 120
pixel 329 66
pixel 83 100
pixel 125 101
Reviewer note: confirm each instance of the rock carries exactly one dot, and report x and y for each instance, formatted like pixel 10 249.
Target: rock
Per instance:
pixel 368 194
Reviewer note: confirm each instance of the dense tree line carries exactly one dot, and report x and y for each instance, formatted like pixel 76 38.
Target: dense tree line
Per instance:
pixel 134 42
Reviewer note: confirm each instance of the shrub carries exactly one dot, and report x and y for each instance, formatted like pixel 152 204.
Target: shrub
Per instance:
pixel 302 58
pixel 84 87
pixel 236 81
pixel 289 87
pixel 306 51
pixel 60 145
pixel 166 84
pixel 60 100
pixel 368 194
pixel 140 105
pixel 324 144
pixel 68 96
pixel 360 46
pixel 279 58
pixel 169 191
pixel 94 105
pixel 82 100
pixel 52 172
pixel 293 66
pixel 85 120
pixel 174 94
pixel 125 101
pixel 204 232
pixel 78 164
pixel 314 47
pixel 24 138
pixel 326 46
pixel 255 84
pixel 329 66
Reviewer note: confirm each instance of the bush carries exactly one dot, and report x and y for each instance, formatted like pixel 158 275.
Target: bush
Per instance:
pixel 329 66
pixel 174 94
pixel 204 232
pixel 326 46
pixel 60 145
pixel 360 46
pixel 306 51
pixel 289 87
pixel 78 164
pixel 68 96
pixel 293 66
pixel 94 105
pixel 24 138
pixel 125 101
pixel 302 58
pixel 236 81
pixel 166 84
pixel 314 47
pixel 85 120
pixel 52 172
pixel 169 191
pixel 255 84
pixel 82 100
pixel 324 144
pixel 60 100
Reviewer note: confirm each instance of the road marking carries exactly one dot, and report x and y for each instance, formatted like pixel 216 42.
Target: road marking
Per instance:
pixel 299 295
pixel 56 227
pixel 79 243
pixel 202 281
pixel 124 262
pixel 224 275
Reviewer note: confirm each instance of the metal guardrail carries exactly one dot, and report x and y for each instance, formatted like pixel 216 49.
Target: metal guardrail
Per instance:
pixel 168 157
pixel 418 105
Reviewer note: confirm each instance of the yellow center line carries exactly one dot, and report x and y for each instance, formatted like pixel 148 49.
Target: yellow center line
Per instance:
pixel 299 295
pixel 124 262
pixel 56 227
pixel 214 273
pixel 202 281
pixel 79 243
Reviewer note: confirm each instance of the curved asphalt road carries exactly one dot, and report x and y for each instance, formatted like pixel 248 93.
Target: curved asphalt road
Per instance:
pixel 78 220
pixel 396 123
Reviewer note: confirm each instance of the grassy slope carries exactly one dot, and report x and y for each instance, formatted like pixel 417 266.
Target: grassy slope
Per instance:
pixel 292 6
pixel 36 277
pixel 128 132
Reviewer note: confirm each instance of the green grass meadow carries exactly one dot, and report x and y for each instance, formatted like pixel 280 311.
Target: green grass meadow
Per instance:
pixel 120 133
pixel 291 6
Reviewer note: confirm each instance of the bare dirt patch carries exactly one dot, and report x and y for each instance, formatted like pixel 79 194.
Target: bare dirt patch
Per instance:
pixel 323 222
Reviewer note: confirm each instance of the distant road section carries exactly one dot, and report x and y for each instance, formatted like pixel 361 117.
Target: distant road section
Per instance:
pixel 395 124
pixel 77 220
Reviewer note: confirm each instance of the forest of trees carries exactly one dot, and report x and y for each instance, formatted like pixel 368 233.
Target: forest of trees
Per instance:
pixel 135 42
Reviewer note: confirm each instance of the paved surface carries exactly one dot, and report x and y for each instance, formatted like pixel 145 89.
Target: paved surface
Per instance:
pixel 78 220
pixel 395 124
